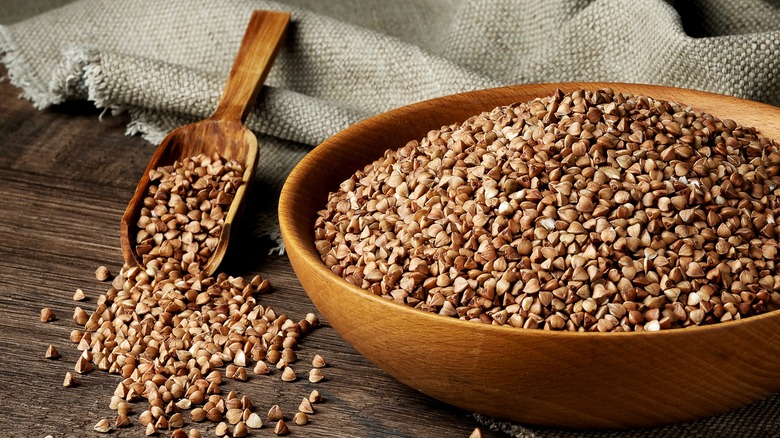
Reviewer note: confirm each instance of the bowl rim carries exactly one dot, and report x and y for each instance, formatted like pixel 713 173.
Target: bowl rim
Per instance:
pixel 299 246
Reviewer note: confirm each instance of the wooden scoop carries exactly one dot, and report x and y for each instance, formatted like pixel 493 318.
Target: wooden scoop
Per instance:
pixel 224 132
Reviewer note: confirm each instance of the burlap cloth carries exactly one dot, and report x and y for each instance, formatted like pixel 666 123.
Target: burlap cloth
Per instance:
pixel 164 62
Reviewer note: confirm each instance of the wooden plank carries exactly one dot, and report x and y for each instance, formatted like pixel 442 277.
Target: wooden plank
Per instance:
pixel 65 177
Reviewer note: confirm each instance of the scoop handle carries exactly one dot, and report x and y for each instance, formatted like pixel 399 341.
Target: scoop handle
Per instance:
pixel 262 40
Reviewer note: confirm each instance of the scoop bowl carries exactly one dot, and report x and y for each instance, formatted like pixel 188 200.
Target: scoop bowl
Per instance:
pixel 228 138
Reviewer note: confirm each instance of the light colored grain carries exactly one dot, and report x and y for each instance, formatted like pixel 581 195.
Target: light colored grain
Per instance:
pixel 47 315
pixel 281 428
pixel 300 419
pixel 305 406
pixel 79 295
pixel 318 361
pixel 102 273
pixel 102 426
pixel 275 413
pixel 315 375
pixel 254 421
pixel 70 380
pixel 52 353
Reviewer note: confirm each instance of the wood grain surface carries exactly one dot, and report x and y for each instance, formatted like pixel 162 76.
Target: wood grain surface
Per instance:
pixel 66 175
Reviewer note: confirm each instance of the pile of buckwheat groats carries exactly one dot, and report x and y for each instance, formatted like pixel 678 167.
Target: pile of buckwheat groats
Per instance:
pixel 586 211
pixel 174 334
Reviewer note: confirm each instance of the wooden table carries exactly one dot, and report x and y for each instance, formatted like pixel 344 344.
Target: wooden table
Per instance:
pixel 66 174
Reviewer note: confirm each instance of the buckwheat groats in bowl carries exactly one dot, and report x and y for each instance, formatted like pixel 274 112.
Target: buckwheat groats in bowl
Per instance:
pixel 582 255
pixel 589 210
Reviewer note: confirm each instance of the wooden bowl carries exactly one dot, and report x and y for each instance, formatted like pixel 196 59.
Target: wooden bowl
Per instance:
pixel 562 379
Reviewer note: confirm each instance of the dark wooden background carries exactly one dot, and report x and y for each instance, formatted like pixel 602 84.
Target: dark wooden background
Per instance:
pixel 66 175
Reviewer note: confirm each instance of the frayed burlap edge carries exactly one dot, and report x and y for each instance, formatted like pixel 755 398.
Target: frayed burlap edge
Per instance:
pixel 20 75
